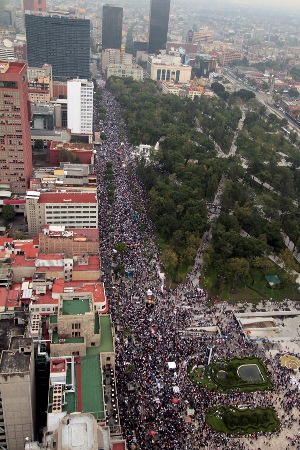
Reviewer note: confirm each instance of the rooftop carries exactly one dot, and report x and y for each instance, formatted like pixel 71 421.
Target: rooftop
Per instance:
pixel 78 432
pixel 11 67
pixel 15 349
pixel 75 307
pixel 67 197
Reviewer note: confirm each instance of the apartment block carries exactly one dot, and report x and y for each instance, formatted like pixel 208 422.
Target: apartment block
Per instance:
pixel 15 139
pixel 80 106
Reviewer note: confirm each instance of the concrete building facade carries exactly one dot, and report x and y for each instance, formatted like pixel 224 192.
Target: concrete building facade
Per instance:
pixel 111 56
pixel 15 140
pixel 168 68
pixel 112 21
pixel 17 401
pixel 80 106
pixel 135 71
pixel 73 210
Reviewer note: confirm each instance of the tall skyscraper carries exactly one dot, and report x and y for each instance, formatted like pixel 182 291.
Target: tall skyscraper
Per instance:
pixel 159 21
pixel 15 138
pixel 59 40
pixel 112 20
pixel 2 12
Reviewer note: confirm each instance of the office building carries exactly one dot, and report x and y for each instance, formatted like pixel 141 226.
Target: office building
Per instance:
pixel 80 106
pixel 34 5
pixel 17 401
pixel 73 210
pixel 60 40
pixel 227 57
pixel 112 19
pixel 15 139
pixel 206 65
pixel 133 70
pixel 159 21
pixel 168 68
pixel 114 56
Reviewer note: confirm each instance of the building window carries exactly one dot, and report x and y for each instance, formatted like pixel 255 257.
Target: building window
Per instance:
pixel 75 333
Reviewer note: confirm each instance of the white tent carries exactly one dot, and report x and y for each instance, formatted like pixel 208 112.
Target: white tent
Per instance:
pixel 171 365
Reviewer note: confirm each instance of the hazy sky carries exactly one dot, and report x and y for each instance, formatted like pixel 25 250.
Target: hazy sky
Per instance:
pixel 282 3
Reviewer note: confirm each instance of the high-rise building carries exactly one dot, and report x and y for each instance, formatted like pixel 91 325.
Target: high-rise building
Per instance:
pixel 34 5
pixel 2 12
pixel 60 40
pixel 159 21
pixel 112 19
pixel 15 139
pixel 80 106
pixel 17 377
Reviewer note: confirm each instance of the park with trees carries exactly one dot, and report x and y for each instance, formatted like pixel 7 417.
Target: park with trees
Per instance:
pixel 183 175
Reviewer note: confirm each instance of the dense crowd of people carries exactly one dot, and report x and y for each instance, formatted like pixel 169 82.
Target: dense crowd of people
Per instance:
pixel 154 395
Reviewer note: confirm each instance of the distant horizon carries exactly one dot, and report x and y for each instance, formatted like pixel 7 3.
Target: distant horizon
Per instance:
pixel 286 4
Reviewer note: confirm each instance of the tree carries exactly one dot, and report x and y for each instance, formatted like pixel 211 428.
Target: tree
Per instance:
pixel 170 260
pixel 236 268
pixel 294 93
pixel 121 248
pixel 244 94
pixel 8 213
pixel 218 88
pixel 39 144
pixel 67 156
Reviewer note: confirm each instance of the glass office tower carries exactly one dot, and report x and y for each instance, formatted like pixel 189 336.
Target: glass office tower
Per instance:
pixel 60 40
pixel 159 21
pixel 112 20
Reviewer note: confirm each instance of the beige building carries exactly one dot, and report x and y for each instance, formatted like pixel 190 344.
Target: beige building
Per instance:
pixel 17 376
pixel 70 209
pixel 74 328
pixel 168 68
pixel 121 70
pixel 229 56
pixel 115 56
pixel 40 86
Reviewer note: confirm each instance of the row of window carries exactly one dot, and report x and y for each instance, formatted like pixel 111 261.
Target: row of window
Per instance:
pixel 70 206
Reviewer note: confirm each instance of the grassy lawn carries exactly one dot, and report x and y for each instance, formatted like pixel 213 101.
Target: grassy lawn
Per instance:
pixel 224 376
pixel 231 420
pixel 253 289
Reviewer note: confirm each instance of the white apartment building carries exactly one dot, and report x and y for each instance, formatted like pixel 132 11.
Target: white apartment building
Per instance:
pixel 168 68
pixel 71 209
pixel 115 56
pixel 80 106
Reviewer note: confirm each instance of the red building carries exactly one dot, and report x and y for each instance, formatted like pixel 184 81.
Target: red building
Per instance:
pixel 83 151
pixel 15 138
pixel 34 5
